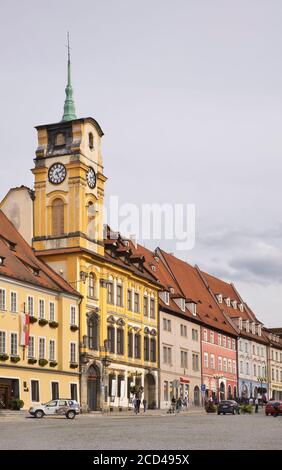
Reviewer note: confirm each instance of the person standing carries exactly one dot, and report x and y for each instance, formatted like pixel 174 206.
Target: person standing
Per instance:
pixel 256 405
pixel 138 403
pixel 145 405
pixel 135 405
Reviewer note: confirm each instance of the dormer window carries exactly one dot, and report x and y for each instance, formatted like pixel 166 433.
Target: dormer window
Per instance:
pixel 91 141
pixel 153 267
pixel 234 304
pixel 192 306
pixel 227 300
pixel 182 304
pixel 247 326
pixel 241 307
pixel 219 298
pixel 259 330
pixel 240 323
pixel 171 290
pixel 253 328
pixel 166 297
pixel 2 259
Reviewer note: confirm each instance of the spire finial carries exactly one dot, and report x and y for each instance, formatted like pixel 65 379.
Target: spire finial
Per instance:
pixel 69 108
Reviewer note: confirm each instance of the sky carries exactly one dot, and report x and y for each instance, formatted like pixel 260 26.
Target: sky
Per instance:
pixel 189 96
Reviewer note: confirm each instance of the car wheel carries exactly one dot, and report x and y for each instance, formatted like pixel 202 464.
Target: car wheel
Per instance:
pixel 70 414
pixel 39 414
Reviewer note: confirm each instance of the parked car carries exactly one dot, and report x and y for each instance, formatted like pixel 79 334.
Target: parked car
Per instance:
pixel 273 407
pixel 65 407
pixel 228 406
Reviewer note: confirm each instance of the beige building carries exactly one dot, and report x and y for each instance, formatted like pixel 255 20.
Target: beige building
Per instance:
pixel 274 363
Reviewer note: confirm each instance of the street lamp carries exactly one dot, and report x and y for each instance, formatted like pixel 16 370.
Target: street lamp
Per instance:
pixel 261 380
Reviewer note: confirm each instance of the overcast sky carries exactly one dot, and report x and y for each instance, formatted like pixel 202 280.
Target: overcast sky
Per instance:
pixel 189 95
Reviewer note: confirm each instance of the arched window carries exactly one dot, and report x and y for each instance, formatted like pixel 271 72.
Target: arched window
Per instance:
pixel 60 139
pixel 91 141
pixel 91 220
pixel 58 222
pixel 93 332
pixel 91 286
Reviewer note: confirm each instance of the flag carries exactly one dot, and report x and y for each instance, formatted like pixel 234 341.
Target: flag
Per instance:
pixel 24 329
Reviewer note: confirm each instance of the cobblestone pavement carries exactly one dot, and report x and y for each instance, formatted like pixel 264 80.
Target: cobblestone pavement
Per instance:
pixel 126 431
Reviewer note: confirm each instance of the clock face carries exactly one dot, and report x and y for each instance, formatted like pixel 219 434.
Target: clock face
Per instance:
pixel 91 177
pixel 57 173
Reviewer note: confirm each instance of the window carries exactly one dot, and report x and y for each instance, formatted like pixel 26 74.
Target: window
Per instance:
pixel 91 286
pixel 167 355
pixel 14 344
pixel 195 362
pixel 165 390
pixel 146 348
pixel 91 141
pixel 120 341
pixel 111 339
pixel 182 304
pixel 51 350
pixel 276 356
pixel 224 341
pixel 277 376
pixel 30 352
pixel 93 332
pixel 184 359
pixel 258 348
pixel 2 299
pixel 34 390
pixel 272 374
pixel 73 315
pixel 234 367
pixel 259 374
pixel 58 220
pixel 153 355
pixel 219 339
pixel 73 391
pixel 255 369
pixel 229 366
pixel 41 348
pixel 152 308
pixel 110 289
pixel 166 297
pixel 212 337
pixel 130 344
pixel 55 390
pixel 129 300
pixel 119 295
pixel 246 347
pixel 137 346
pixel 224 364
pixel 219 363
pixel 30 306
pixel 51 311
pixel 195 335
pixel 247 368
pixel 206 360
pixel 146 306
pixel 233 344
pixel 91 212
pixel 72 353
pixel 241 367
pixel 183 330
pixel 2 342
pixel 136 302
pixel 14 303
pixel 229 343
pixel 41 308
pixel 60 139
pixel 212 361
pixel 205 335
pixel 166 324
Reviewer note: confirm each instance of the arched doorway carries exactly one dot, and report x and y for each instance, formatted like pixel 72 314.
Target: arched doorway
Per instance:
pixel 222 391
pixel 196 396
pixel 93 388
pixel 150 391
pixel 229 392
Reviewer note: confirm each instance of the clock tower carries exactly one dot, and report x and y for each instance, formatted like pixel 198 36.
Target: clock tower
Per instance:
pixel 69 182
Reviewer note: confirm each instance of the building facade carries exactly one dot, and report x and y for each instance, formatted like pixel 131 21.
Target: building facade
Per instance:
pixel 39 322
pixel 274 359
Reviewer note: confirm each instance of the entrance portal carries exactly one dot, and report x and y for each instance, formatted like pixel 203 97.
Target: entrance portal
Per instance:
pixel 93 388
pixel 9 389
pixel 150 391
pixel 196 396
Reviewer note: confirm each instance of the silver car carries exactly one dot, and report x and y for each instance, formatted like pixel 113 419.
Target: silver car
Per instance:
pixel 65 407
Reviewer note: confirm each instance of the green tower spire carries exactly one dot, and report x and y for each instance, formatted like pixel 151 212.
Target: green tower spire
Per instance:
pixel 69 108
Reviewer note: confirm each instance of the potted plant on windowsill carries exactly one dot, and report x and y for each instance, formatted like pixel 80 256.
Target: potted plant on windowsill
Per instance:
pixel 15 359
pixel 53 324
pixel 42 321
pixel 32 319
pixel 4 357
pixel 42 362
pixel 74 327
pixel 73 365
pixel 32 360
pixel 53 363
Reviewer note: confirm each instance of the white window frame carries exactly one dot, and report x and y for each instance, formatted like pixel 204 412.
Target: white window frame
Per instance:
pixel 4 299
pixel 206 360
pixel 41 302
pixel 5 344
pixel 11 343
pixel 28 309
pixel 73 309
pixel 51 340
pixel 73 343
pixel 39 338
pixel 51 302
pixel 33 355
pixel 13 292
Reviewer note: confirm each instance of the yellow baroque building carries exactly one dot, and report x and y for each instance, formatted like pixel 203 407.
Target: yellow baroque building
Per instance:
pixel 48 365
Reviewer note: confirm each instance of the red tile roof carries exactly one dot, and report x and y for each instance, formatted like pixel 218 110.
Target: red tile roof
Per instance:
pixel 23 265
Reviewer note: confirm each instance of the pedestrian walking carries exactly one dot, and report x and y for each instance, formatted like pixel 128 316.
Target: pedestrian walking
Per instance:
pixel 256 405
pixel 135 405
pixel 145 405
pixel 138 403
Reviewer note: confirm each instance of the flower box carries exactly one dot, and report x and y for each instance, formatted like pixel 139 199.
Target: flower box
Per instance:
pixel 73 365
pixel 15 359
pixel 42 362
pixel 53 363
pixel 32 319
pixel 74 327
pixel 32 360
pixel 53 324
pixel 42 321
pixel 4 357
